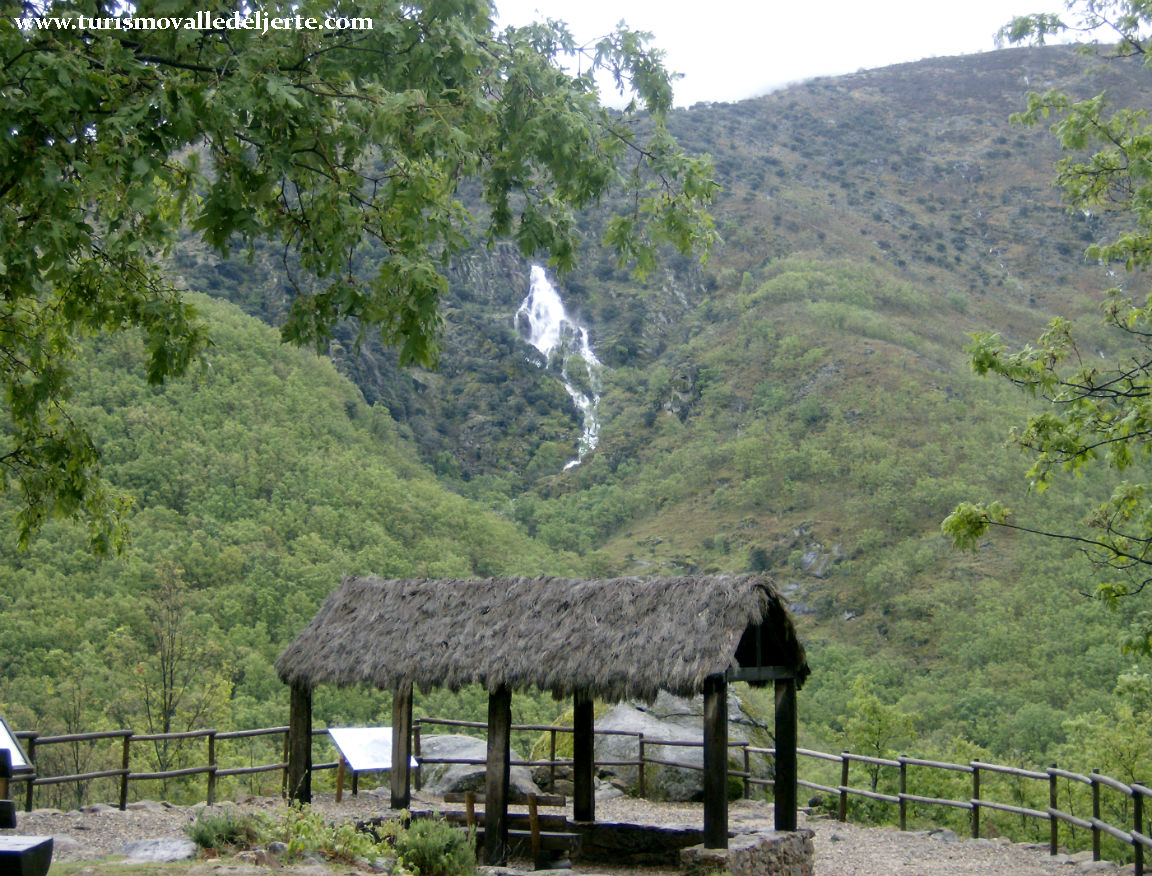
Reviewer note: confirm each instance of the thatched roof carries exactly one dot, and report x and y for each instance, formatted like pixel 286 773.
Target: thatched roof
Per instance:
pixel 619 638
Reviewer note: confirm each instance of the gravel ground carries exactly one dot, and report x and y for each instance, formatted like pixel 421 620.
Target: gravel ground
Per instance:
pixel 841 849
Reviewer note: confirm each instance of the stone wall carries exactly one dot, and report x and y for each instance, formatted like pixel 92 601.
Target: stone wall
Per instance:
pixel 772 853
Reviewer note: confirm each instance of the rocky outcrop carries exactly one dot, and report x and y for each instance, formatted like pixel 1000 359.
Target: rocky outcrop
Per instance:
pixel 444 778
pixel 781 854
pixel 676 720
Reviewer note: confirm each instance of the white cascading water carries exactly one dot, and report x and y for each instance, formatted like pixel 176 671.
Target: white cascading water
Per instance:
pixel 546 325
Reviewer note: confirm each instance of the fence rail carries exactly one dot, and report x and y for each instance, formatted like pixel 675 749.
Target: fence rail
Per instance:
pixel 1135 832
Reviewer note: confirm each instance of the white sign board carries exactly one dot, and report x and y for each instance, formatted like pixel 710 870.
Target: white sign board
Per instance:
pixel 7 740
pixel 365 748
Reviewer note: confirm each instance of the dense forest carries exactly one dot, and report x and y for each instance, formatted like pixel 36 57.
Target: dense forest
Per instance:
pixel 801 404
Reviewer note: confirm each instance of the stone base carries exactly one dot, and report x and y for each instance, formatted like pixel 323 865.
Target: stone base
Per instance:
pixel 634 845
pixel 774 853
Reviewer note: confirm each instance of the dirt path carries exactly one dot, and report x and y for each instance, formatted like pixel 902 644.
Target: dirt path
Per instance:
pixel 841 849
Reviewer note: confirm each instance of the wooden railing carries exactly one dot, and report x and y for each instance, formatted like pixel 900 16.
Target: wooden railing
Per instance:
pixel 33 743
pixel 1136 793
pixel 1135 832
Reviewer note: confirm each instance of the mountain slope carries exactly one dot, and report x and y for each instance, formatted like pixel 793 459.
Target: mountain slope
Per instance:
pixel 802 403
pixel 258 484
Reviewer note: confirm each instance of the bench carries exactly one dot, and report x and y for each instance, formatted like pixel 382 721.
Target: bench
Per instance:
pixel 25 855
pixel 546 834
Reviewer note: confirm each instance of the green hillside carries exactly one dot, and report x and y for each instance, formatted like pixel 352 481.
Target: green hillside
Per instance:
pixel 802 404
pixel 258 483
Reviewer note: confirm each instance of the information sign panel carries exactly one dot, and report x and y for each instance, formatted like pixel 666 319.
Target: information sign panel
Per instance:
pixel 365 748
pixel 8 740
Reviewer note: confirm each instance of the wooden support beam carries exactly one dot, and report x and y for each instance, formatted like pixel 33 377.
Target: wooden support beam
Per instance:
pixel 496 783
pixel 715 762
pixel 786 774
pixel 583 758
pixel 401 784
pixel 300 745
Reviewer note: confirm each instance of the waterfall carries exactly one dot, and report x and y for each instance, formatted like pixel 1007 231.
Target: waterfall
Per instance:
pixel 544 323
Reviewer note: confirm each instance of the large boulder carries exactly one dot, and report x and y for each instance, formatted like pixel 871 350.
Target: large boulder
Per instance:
pixel 677 720
pixel 444 778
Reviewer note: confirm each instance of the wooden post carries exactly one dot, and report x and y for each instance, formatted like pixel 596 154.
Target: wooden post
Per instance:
pixel 300 745
pixel 715 762
pixel 496 782
pixel 341 766
pixel 401 783
pixel 5 772
pixel 1138 827
pixel 1054 823
pixel 31 743
pixel 1095 815
pixel 416 754
pixel 125 765
pixel 641 767
pixel 284 760
pixel 211 796
pixel 842 807
pixel 786 768
pixel 903 790
pixel 583 758
pixel 747 773
pixel 975 801
pixel 552 761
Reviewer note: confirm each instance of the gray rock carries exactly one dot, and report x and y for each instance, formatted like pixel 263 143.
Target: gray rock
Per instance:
pixel 61 842
pixel 164 849
pixel 945 835
pixel 459 778
pixel 676 720
pixel 146 806
pixel 1095 867
pixel 605 791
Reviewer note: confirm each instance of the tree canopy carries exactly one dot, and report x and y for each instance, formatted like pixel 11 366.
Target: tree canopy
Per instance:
pixel 1096 412
pixel 359 129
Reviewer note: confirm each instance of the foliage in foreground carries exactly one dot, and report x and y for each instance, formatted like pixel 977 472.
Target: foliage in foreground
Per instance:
pixel 317 138
pixel 1096 412
pixel 426 847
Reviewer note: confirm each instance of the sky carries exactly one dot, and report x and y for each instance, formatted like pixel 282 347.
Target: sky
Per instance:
pixel 730 50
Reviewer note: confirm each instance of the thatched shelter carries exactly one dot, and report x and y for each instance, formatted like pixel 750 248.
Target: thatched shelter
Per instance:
pixel 609 639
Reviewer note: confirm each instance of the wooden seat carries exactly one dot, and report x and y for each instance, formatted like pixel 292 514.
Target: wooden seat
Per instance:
pixel 25 855
pixel 545 833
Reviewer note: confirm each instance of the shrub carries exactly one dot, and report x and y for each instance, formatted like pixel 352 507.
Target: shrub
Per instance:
pixel 221 830
pixel 432 847
pixel 304 830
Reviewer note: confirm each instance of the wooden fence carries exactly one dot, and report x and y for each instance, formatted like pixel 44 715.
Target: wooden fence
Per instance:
pixel 1134 832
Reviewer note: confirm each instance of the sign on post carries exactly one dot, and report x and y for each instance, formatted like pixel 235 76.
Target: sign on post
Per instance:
pixel 365 748
pixel 362 749
pixel 8 740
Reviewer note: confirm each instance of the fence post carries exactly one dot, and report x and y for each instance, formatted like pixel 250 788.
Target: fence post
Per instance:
pixel 1095 816
pixel 125 764
pixel 419 777
pixel 31 779
pixel 975 800
pixel 903 791
pixel 747 773
pixel 211 767
pixel 1137 827
pixel 842 814
pixel 552 760
pixel 1054 823
pixel 284 775
pixel 641 787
